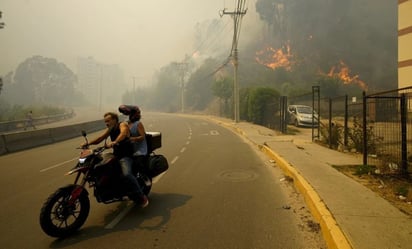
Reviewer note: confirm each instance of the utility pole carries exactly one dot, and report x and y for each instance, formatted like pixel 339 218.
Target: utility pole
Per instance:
pixel 182 66
pixel 237 15
pixel 101 87
pixel 1 23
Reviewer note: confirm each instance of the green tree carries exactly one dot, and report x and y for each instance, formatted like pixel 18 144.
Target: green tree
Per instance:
pixel 166 93
pixel 244 94
pixel 223 89
pixel 42 80
pixel 199 86
pixel 262 106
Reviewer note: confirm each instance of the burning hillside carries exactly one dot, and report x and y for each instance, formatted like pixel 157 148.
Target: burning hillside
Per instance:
pixel 342 72
pixel 275 58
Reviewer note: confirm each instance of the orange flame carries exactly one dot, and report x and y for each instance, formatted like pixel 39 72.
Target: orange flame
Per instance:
pixel 342 72
pixel 275 58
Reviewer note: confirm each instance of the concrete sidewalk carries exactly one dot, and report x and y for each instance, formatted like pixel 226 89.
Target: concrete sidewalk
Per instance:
pixel 350 215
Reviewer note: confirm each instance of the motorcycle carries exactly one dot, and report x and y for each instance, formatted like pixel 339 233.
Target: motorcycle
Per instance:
pixel 67 209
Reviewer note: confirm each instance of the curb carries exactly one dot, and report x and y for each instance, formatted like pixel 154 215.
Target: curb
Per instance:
pixel 333 235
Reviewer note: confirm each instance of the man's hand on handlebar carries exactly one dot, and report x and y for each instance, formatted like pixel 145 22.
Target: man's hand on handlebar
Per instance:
pixel 111 144
pixel 84 146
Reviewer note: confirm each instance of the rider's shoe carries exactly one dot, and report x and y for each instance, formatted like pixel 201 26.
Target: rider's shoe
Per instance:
pixel 144 201
pixel 140 199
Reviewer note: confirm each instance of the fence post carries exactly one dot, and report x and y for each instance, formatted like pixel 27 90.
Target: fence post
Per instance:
pixel 316 91
pixel 283 114
pixel 345 129
pixel 364 130
pixel 404 144
pixel 330 123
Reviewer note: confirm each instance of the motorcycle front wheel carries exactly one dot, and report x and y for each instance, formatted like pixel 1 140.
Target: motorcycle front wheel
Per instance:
pixel 60 217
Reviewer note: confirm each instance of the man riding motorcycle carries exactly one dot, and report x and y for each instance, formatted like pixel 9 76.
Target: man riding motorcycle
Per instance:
pixel 122 149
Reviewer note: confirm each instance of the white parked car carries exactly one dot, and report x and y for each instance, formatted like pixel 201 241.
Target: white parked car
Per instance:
pixel 303 115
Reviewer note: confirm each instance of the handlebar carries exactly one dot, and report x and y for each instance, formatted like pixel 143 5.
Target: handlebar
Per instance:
pixel 95 150
pixel 99 149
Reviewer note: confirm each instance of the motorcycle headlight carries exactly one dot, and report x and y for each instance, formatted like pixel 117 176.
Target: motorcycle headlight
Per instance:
pixel 82 160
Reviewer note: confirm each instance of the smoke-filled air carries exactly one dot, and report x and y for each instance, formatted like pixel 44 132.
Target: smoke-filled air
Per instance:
pixel 179 56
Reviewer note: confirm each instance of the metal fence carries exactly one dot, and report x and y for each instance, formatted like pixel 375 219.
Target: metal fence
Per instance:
pixel 340 117
pixel 387 130
pixel 376 125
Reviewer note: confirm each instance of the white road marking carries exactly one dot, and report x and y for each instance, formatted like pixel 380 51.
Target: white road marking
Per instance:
pixel 125 211
pixel 119 217
pixel 188 142
pixel 58 165
pixel 174 160
pixel 157 178
pixel 183 150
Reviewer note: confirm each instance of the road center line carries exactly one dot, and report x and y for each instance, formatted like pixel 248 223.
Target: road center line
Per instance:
pixel 119 217
pixel 58 165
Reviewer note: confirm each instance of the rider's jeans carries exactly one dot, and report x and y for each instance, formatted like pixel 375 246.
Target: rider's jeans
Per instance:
pixel 126 166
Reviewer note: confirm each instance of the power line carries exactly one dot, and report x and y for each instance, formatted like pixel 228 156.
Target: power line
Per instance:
pixel 208 41
pixel 237 15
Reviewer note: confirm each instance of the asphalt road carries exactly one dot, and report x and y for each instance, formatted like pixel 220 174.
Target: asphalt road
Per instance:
pixel 219 192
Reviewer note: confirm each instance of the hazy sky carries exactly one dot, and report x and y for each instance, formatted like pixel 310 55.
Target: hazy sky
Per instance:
pixel 139 36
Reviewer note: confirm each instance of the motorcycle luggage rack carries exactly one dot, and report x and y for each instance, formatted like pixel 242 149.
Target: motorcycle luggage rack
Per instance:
pixel 153 140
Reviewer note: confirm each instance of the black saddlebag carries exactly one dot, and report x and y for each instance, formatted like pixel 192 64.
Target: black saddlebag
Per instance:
pixel 157 165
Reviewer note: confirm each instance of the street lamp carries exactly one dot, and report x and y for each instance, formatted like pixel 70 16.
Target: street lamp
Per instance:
pixel 134 90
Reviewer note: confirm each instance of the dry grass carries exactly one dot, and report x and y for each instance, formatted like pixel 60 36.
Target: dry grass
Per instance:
pixel 395 189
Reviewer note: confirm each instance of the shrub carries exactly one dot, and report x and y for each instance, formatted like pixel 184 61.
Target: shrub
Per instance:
pixel 355 135
pixel 333 136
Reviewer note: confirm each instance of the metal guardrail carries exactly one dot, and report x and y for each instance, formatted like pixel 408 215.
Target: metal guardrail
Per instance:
pixel 20 124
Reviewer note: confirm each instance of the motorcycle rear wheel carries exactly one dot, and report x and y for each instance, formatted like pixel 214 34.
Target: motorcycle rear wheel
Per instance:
pixel 60 219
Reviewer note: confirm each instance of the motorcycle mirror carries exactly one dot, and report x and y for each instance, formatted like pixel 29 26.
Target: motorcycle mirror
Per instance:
pixel 84 133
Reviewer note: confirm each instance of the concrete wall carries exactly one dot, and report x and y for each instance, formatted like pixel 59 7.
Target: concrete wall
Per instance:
pixel 18 125
pixel 17 141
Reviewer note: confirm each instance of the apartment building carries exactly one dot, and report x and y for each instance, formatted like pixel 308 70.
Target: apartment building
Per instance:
pixel 404 43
